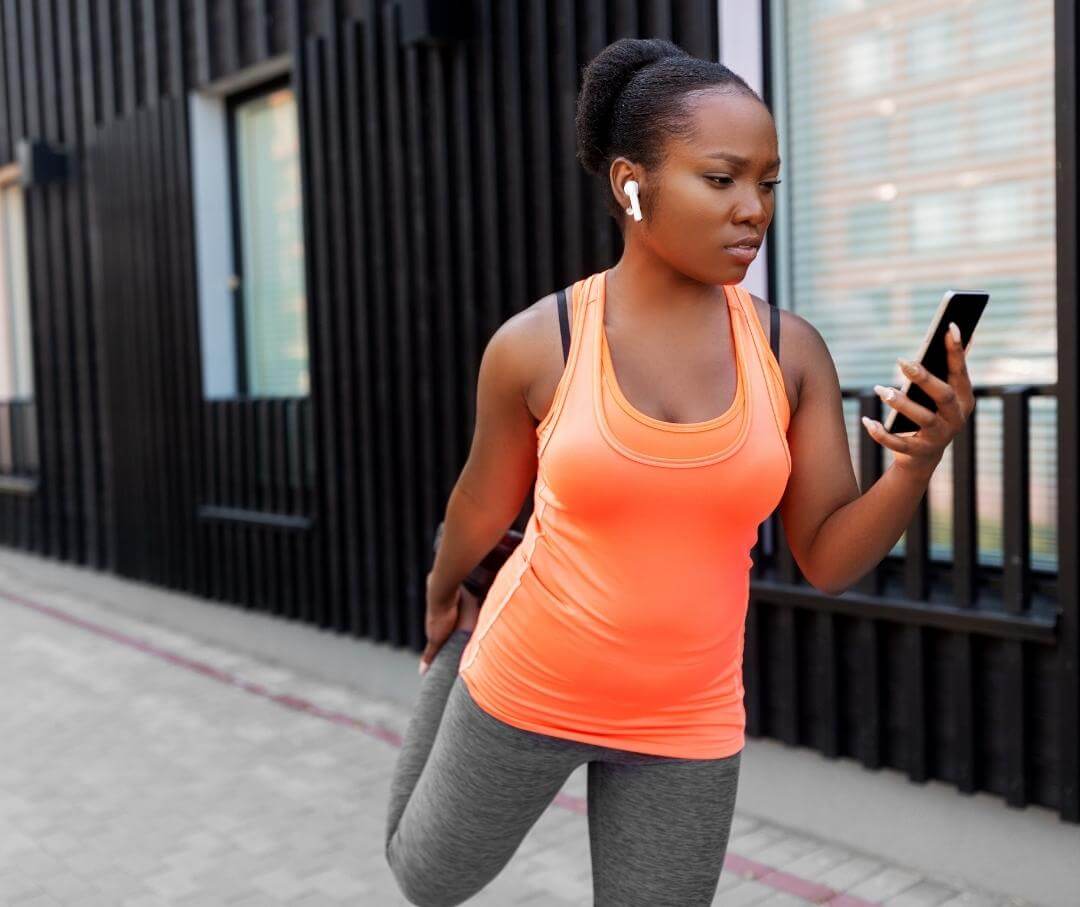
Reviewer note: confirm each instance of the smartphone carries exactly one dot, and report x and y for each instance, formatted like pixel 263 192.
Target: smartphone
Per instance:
pixel 965 307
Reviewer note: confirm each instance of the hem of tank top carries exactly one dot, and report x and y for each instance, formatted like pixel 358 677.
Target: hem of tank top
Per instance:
pixel 582 737
pixel 669 462
pixel 607 371
pixel 547 424
pixel 776 386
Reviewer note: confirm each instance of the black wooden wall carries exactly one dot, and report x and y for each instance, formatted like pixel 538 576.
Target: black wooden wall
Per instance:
pixel 441 195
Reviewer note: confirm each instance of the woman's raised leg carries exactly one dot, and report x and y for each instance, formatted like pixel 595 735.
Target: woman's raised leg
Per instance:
pixel 466 789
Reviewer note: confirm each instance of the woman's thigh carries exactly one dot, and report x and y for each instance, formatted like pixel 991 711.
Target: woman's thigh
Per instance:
pixel 658 831
pixel 483 787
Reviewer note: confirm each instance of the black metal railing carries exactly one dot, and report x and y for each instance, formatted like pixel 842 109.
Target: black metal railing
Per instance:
pixel 1014 587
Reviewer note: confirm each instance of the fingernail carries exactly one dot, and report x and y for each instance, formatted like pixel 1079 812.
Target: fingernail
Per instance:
pixel 955 331
pixel 908 367
pixel 886 393
pixel 868 422
pixel 423 668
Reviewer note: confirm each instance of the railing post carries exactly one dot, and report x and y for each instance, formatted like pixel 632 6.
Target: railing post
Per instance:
pixel 964 510
pixel 1016 523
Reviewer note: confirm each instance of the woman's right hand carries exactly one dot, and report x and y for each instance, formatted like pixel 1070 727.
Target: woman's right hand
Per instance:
pixel 440 620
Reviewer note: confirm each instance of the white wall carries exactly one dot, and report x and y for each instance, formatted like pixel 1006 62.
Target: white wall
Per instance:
pixel 741 50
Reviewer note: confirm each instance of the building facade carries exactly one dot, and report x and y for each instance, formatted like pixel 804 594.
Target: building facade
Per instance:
pixel 251 252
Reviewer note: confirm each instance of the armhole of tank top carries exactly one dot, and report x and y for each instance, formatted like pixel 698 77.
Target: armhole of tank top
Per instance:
pixel 576 306
pixel 774 375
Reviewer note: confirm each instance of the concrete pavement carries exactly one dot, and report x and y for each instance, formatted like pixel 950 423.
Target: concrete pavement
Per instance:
pixel 158 749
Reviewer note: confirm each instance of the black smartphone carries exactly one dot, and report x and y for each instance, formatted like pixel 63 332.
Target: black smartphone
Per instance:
pixel 965 307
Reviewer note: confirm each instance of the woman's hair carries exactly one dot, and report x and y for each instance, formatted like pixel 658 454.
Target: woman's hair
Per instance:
pixel 632 99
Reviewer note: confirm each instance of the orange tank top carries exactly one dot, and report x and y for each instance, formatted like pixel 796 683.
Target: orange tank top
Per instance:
pixel 618 619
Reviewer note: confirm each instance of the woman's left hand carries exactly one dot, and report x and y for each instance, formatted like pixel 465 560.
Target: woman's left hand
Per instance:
pixel 922 450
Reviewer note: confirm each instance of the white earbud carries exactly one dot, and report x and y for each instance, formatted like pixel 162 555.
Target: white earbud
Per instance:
pixel 631 189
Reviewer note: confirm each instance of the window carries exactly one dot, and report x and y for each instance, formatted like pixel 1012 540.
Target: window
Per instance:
pixel 16 355
pixel 958 192
pixel 249 225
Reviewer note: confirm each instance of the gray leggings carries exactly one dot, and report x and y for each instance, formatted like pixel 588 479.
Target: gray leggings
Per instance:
pixel 468 786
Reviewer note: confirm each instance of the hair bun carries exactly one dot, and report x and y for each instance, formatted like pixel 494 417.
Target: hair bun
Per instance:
pixel 605 77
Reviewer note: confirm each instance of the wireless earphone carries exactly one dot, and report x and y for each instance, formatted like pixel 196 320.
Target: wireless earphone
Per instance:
pixel 631 189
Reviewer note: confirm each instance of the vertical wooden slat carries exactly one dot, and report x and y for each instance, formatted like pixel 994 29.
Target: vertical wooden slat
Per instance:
pixel 204 69
pixel 537 151
pixel 570 180
pixel 423 301
pixel 250 466
pixel 14 67
pixel 58 299
pixel 128 74
pixel 407 585
pixel 515 210
pixel 444 306
pixel 260 27
pixel 191 376
pixel 346 614
pixel 601 228
pixel 150 40
pixel 231 36
pixel 74 217
pixel 466 283
pixel 391 617
pixel 323 355
pixel 364 455
pixel 51 493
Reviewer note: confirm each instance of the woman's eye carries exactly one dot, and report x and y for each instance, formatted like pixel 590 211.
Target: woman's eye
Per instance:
pixel 727 179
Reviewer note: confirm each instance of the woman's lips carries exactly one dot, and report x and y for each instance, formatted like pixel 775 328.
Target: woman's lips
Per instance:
pixel 743 253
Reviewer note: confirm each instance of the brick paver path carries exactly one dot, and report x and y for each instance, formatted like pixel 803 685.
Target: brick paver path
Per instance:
pixel 140 766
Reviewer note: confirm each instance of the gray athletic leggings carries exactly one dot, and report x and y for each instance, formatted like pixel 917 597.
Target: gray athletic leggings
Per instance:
pixel 468 786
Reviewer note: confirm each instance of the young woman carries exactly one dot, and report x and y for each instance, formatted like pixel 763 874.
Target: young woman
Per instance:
pixel 613 634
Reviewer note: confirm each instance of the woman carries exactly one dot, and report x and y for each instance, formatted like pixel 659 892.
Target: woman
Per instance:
pixel 613 634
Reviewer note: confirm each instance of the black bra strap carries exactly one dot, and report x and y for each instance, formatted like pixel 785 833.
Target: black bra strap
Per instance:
pixel 774 330
pixel 564 321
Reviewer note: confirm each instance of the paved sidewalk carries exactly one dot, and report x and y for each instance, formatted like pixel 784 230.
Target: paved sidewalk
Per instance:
pixel 142 766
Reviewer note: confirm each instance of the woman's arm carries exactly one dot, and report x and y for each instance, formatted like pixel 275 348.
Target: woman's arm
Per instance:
pixel 501 465
pixel 836 534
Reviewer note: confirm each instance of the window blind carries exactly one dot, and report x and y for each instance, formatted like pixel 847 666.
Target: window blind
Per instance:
pixel 918 149
pixel 275 303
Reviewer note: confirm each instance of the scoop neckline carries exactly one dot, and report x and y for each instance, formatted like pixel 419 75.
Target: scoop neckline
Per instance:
pixel 607 373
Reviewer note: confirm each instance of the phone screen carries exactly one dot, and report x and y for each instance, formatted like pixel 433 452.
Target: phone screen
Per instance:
pixel 965 307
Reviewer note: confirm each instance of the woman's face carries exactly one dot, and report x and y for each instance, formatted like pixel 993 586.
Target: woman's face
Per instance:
pixel 714 188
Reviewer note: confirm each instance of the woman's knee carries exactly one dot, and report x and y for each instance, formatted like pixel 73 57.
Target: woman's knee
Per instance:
pixel 423 886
